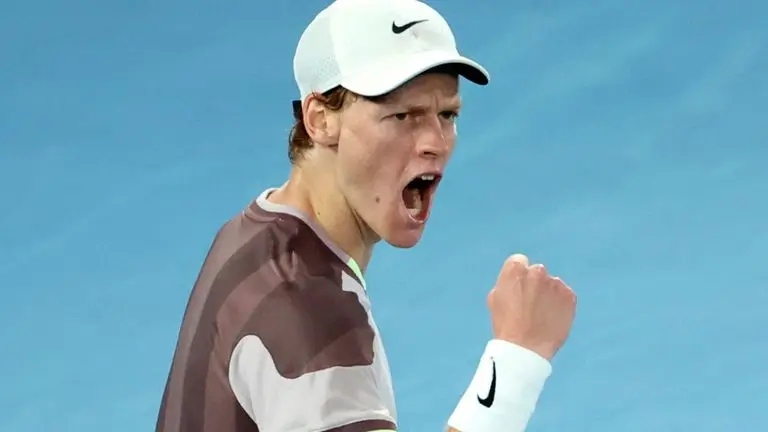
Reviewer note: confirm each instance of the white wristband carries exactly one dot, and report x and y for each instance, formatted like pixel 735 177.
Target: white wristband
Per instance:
pixel 507 402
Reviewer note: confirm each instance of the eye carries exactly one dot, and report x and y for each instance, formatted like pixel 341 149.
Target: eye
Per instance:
pixel 449 115
pixel 401 116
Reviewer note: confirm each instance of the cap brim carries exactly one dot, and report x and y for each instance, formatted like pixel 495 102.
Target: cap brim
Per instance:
pixel 382 79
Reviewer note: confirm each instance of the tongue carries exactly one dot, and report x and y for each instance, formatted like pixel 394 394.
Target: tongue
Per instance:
pixel 412 199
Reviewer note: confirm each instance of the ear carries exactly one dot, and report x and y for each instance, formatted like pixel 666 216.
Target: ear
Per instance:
pixel 323 125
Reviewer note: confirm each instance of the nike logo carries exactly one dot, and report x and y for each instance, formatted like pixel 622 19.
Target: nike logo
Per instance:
pixel 488 400
pixel 396 29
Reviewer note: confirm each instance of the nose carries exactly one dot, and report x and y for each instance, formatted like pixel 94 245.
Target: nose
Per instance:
pixel 434 141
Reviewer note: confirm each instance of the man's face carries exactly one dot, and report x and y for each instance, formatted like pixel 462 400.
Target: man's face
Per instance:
pixel 392 154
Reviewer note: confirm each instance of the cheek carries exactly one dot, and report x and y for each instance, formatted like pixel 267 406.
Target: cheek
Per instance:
pixel 355 158
pixel 371 168
pixel 370 151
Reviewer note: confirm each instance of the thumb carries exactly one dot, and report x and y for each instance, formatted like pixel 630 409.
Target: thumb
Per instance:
pixel 518 258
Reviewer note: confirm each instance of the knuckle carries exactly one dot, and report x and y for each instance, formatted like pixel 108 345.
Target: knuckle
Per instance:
pixel 494 294
pixel 563 288
pixel 539 270
pixel 512 267
pixel 511 262
pixel 569 293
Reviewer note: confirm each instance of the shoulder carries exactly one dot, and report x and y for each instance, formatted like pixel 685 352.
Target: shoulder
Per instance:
pixel 293 295
pixel 303 332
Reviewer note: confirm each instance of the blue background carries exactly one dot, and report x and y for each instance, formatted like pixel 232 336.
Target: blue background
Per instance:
pixel 621 143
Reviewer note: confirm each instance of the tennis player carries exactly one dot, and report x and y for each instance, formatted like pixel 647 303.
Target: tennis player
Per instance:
pixel 278 334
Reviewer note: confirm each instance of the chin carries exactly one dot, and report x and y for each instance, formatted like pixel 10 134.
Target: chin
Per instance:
pixel 404 239
pixel 396 228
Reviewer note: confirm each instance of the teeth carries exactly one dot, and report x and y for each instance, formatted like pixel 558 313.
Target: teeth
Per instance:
pixel 428 177
pixel 414 205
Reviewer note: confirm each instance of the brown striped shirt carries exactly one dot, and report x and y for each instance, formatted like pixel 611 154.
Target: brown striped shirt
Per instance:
pixel 277 336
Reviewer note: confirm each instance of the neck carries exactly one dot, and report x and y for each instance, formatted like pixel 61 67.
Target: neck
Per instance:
pixel 315 193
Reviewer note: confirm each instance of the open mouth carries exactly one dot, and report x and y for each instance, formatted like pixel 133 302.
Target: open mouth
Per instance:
pixel 417 195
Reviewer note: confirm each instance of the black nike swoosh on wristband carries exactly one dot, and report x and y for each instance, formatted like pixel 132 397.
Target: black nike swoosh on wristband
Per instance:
pixel 488 400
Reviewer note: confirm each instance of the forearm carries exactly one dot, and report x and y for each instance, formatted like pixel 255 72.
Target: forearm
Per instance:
pixel 504 391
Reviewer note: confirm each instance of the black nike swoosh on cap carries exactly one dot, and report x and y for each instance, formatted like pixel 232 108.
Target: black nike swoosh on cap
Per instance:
pixel 488 400
pixel 396 29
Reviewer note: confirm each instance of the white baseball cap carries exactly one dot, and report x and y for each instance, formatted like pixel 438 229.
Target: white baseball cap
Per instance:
pixel 371 47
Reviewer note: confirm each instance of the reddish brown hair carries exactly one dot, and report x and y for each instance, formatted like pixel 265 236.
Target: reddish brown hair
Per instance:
pixel 299 140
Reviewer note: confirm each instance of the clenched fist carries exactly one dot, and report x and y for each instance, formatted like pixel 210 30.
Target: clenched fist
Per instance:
pixel 530 308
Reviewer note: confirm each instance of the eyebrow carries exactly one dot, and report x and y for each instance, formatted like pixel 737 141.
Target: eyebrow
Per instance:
pixel 451 104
